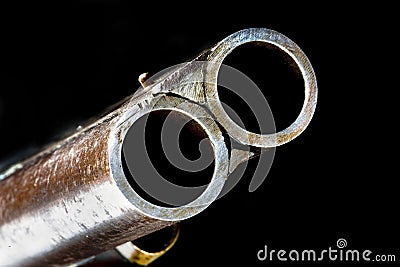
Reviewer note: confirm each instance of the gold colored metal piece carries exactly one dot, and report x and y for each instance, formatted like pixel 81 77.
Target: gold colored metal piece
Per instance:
pixel 142 79
pixel 134 254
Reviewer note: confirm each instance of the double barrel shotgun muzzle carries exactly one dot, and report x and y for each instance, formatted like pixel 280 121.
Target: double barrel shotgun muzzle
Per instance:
pixel 74 200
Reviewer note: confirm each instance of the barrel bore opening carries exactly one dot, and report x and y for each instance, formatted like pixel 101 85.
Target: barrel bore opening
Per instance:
pixel 167 148
pixel 275 75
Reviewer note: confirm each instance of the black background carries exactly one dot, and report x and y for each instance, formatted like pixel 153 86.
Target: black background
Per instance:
pixel 61 63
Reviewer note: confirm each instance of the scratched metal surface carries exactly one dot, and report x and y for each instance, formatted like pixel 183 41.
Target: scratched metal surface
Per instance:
pixel 57 205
